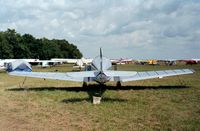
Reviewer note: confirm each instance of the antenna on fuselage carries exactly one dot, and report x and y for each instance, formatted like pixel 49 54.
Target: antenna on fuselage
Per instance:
pixel 101 61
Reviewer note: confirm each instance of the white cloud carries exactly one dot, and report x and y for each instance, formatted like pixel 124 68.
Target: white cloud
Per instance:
pixel 139 28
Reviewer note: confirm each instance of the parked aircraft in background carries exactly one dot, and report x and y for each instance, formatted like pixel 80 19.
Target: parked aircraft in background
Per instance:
pixel 197 60
pixel 170 62
pixel 68 61
pixel 42 63
pixel 121 61
pixel 5 62
pixel 47 63
pixel 79 65
pixel 149 62
pixel 73 61
pixel 101 73
pixel 191 62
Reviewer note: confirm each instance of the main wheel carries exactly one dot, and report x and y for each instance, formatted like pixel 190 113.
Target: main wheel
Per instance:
pixel 84 84
pixel 118 84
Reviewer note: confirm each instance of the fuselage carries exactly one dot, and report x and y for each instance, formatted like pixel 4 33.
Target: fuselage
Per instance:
pixel 101 64
pixel 101 78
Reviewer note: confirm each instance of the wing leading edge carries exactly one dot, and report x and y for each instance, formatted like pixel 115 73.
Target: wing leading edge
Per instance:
pixel 71 76
pixel 149 74
pixel 89 76
pixel 21 68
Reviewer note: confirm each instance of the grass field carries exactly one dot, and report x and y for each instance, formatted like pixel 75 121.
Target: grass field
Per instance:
pixel 171 103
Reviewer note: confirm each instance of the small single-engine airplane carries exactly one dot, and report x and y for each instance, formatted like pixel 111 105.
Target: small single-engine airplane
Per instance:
pixel 100 73
pixel 79 64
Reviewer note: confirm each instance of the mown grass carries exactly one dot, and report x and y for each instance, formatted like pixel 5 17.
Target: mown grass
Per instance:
pixel 170 103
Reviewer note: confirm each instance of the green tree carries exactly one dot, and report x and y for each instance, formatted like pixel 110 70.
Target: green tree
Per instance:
pixel 5 48
pixel 13 45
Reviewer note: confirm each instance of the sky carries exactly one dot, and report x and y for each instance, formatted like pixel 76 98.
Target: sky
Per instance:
pixel 139 29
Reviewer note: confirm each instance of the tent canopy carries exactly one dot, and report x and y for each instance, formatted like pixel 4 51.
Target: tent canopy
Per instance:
pixel 19 65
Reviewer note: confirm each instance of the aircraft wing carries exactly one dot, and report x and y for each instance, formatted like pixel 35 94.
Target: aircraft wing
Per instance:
pixel 133 76
pixel 21 68
pixel 70 76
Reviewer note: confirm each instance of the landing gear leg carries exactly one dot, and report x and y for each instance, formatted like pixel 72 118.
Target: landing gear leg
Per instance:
pixel 97 97
pixel 84 84
pixel 119 84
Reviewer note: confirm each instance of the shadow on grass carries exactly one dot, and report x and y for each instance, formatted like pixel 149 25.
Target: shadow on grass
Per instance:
pixel 96 90
pixel 95 87
pixel 104 99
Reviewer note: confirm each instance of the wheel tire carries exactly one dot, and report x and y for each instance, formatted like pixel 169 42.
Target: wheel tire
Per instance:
pixel 119 84
pixel 84 84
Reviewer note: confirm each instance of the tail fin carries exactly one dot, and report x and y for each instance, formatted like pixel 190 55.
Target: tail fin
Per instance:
pixel 101 62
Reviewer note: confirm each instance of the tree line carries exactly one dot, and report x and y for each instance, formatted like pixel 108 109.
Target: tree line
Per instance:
pixel 16 46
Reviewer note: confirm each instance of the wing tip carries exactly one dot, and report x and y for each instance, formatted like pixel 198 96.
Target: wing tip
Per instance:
pixel 193 71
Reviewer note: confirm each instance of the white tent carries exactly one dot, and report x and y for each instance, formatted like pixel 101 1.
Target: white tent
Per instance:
pixel 19 65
